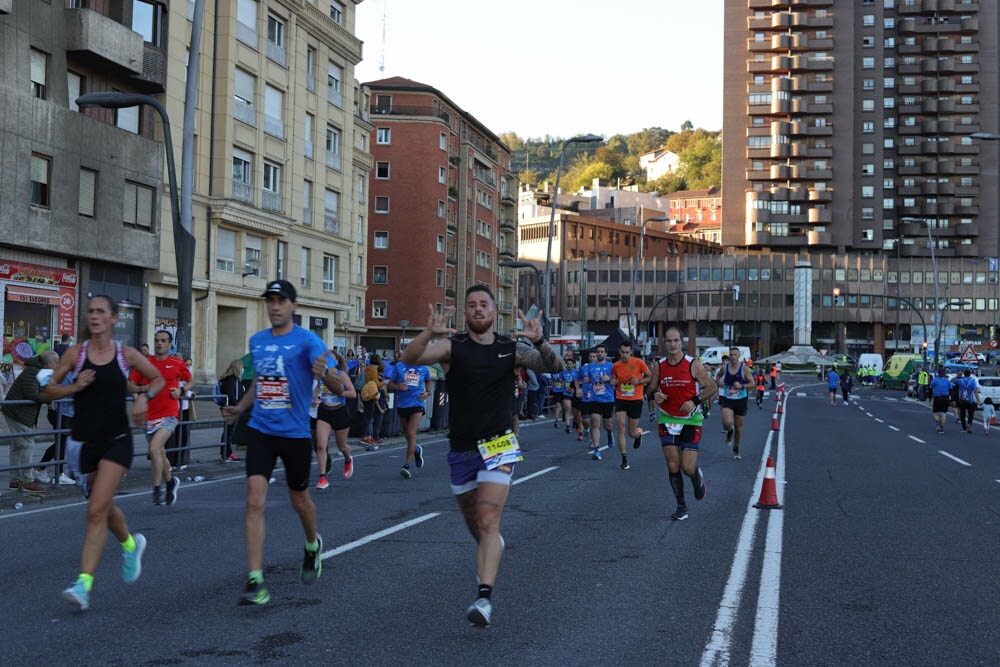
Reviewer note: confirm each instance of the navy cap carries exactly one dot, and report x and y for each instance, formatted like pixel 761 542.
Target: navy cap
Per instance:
pixel 282 287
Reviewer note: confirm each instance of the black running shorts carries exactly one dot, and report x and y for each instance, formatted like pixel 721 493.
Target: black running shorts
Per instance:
pixel 632 408
pixel 263 452
pixel 117 449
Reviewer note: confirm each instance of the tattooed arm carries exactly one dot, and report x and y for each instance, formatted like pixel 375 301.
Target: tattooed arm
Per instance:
pixel 542 358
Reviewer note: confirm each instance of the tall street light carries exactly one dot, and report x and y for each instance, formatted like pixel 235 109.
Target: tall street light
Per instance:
pixel 183 236
pixel 633 324
pixel 518 264
pixel 937 294
pixel 581 139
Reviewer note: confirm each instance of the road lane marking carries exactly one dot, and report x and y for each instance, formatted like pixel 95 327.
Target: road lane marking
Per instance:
pixel 377 536
pixel 880 421
pixel 534 474
pixel 870 414
pixel 913 437
pixel 954 458
pixel 893 427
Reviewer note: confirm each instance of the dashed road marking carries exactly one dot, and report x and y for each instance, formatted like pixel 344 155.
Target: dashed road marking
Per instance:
pixel 913 437
pixel 893 427
pixel 880 421
pixel 954 458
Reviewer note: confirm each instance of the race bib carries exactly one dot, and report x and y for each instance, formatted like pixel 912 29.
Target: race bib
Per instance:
pixel 733 391
pixel 499 451
pixel 674 429
pixel 598 387
pixel 273 393
pixel 558 385
pixel 412 378
pixel 628 389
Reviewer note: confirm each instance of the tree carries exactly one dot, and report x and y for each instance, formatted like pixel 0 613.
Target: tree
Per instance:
pixel 668 183
pixel 701 162
pixel 590 172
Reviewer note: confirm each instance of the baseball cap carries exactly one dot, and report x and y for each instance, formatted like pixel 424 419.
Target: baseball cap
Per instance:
pixel 282 287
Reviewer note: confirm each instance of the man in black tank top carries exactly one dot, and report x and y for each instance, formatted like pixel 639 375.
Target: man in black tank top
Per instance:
pixel 479 367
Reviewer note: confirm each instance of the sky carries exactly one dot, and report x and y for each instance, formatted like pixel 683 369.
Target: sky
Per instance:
pixel 556 67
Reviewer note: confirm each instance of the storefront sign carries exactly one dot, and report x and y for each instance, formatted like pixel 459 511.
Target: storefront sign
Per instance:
pixel 34 298
pixel 317 322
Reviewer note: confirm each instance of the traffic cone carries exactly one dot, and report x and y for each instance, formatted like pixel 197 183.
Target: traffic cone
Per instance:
pixel 774 422
pixel 768 491
pixel 781 408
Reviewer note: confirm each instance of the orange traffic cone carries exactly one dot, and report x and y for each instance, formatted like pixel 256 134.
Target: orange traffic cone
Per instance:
pixel 774 422
pixel 768 491
pixel 781 409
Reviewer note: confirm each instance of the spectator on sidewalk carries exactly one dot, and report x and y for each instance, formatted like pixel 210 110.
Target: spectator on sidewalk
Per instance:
pixel 232 387
pixel 21 419
pixel 371 392
pixel 531 409
pixel 62 345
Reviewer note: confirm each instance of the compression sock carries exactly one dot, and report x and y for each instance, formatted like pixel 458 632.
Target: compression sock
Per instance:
pixel 256 576
pixel 485 591
pixel 677 484
pixel 129 544
pixel 87 579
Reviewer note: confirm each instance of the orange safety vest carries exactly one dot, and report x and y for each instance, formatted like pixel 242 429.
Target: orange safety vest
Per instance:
pixel 774 372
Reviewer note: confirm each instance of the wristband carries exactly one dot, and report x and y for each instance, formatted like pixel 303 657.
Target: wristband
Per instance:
pixel 696 400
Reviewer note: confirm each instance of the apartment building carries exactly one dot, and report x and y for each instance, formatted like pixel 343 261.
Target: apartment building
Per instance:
pixel 442 211
pixel 853 125
pixel 78 187
pixel 697 213
pixel 281 163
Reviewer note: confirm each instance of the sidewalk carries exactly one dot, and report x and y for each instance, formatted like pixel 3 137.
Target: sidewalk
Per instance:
pixel 204 461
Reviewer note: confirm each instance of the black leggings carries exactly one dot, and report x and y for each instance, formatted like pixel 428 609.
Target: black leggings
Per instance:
pixel 966 410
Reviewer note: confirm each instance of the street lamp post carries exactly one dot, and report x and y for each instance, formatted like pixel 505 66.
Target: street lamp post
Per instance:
pixel 183 236
pixel 937 294
pixel 581 139
pixel 633 324
pixel 402 325
pixel 836 324
pixel 518 264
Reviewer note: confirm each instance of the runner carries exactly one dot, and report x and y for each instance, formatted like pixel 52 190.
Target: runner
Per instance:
pixel 332 415
pixel 413 385
pixel 940 392
pixel 585 390
pixel 682 384
pixel 629 375
pixel 100 368
pixel 761 384
pixel 736 377
pixel 569 392
pixel 479 366
pixel 558 394
pixel 832 381
pixel 162 413
pixel 602 401
pixel 285 359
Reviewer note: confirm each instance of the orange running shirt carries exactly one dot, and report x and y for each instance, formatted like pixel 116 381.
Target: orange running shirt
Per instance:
pixel 627 372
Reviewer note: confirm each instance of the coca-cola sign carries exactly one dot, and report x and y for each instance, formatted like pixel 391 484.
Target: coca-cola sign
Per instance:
pixel 35 274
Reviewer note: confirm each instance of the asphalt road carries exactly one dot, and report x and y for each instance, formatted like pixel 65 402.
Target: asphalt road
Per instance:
pixel 886 552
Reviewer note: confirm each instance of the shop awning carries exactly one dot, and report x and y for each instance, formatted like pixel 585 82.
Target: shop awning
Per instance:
pixel 26 294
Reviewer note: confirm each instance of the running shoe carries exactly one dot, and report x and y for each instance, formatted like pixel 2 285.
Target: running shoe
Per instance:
pixel 555 423
pixel 255 593
pixel 624 465
pixel 729 436
pixel 579 437
pixel 172 485
pixel 479 612
pixel 680 514
pixel 157 495
pixel 323 483
pixel 233 457
pixel 638 438
pixel 312 563
pixel 418 456
pixel 701 489
pixel 77 595
pixel 348 468
pixel 405 473
pixel 132 560
pixel 66 480
pixel 736 453
pixel 567 428
pixel 596 454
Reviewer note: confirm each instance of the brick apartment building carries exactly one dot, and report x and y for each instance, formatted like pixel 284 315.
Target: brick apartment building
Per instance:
pixel 442 211
pixel 697 213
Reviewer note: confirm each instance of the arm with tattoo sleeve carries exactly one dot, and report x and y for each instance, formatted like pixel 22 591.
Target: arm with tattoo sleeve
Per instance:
pixel 542 358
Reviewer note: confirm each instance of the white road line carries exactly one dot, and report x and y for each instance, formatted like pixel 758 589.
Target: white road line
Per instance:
pixel 880 421
pixel 534 474
pixel 869 414
pixel 913 437
pixel 954 458
pixel 377 536
pixel 717 649
pixel 800 394
pixel 893 427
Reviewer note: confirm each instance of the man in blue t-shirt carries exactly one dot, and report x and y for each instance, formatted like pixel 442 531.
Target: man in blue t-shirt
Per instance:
pixel 832 382
pixel 602 403
pixel 412 385
pixel 286 360
pixel 940 388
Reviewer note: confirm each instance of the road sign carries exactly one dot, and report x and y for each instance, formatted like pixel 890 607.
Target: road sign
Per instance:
pixel 969 355
pixel 993 343
pixel 823 352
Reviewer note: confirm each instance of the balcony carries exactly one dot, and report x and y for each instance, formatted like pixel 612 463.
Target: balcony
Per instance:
pixel 331 223
pixel 242 192
pixel 815 238
pixel 271 201
pixel 276 53
pixel 274 126
pixel 333 160
pixel 247 35
pixel 396 110
pixel 244 112
pixel 103 42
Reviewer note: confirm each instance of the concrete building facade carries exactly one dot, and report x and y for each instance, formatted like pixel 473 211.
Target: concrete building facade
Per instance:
pixel 442 211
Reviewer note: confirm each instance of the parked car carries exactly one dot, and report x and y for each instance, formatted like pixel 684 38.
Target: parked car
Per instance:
pixel 989 386
pixel 958 367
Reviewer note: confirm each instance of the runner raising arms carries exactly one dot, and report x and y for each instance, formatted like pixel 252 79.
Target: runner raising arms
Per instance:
pixel 479 366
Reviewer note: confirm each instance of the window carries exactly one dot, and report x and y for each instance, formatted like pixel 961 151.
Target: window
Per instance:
pixel 359 269
pixel 379 309
pixel 273 103
pixel 888 203
pixel 331 212
pixel 311 69
pixel 330 273
pixel 868 63
pixel 440 209
pixel 333 78
pixel 275 31
pixel 440 243
pixel 380 275
pixel 138 209
pixel 443 141
pixel 242 175
pixel 253 256
pixel 483 260
pixel 74 82
pixel 307 193
pixel 271 186
pixel 383 135
pixel 304 259
pixel 442 175
pixel 868 20
pixel 867 191
pixel 381 240
pixel 41 172
pixel 381 204
pixel 439 278
pixel 484 199
pixel 868 105
pixel 244 85
pixel 88 186
pixel 282 260
pixel 309 132
pixel 383 103
pixel 867 127
pixel 145 20
pixel 868 84
pixel 381 170
pixel 337 12
pixel 246 14
pixel 225 251
pixel 362 179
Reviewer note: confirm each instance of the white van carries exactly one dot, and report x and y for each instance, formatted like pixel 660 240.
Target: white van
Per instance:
pixel 713 355
pixel 871 359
